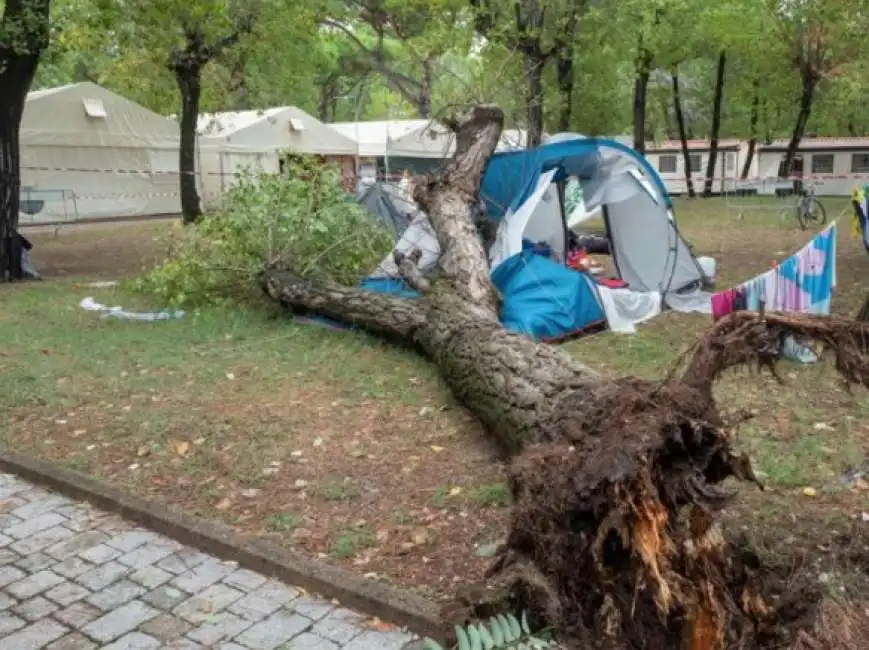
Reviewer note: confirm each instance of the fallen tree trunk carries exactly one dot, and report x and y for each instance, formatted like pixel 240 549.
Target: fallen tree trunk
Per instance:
pixel 616 483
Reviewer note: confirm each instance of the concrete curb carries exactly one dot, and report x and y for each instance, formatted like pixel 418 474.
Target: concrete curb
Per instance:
pixel 383 601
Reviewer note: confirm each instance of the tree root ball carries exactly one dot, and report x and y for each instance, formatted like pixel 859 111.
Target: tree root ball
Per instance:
pixel 615 540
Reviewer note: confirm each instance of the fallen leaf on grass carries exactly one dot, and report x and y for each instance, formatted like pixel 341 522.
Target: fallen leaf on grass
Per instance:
pixel 381 626
pixel 437 449
pixel 809 491
pixel 181 447
pixel 223 504
pixel 419 536
pixel 455 490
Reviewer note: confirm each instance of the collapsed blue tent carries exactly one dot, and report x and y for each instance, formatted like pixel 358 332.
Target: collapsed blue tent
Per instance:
pixel 524 192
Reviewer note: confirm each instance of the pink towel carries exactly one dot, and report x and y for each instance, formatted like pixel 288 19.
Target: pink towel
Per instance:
pixel 722 303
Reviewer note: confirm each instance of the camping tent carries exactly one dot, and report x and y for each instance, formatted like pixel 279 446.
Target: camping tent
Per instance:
pixel 388 202
pixel 543 298
pixel 233 141
pixel 524 191
pixel 89 153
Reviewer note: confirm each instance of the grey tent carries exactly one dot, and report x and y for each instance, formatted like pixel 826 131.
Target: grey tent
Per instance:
pixel 389 203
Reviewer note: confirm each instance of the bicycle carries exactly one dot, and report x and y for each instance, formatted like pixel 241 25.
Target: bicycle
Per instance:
pixel 809 209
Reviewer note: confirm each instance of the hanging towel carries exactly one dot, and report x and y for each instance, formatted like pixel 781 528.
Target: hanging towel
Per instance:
pixel 804 282
pixel 755 292
pixel 722 303
pixel 739 299
pixel 808 278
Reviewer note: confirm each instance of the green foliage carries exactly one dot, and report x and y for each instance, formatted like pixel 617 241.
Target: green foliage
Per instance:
pixel 501 633
pixel 301 218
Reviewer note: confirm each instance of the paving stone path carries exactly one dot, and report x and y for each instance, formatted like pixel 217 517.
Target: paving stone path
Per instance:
pixel 76 578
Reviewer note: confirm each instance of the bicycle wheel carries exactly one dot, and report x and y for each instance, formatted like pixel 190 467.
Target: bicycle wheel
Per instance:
pixel 802 214
pixel 815 212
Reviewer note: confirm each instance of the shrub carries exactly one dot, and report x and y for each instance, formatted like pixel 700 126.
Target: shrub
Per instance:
pixel 301 218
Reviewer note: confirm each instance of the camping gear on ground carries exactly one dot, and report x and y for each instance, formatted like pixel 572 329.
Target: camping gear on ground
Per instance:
pixel 22 265
pixel 523 192
pixel 593 244
pixel 710 268
pixel 612 283
pixel 579 260
pixel 119 312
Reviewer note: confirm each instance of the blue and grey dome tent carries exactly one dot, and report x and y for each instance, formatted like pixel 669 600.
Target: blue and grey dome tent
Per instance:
pixel 524 191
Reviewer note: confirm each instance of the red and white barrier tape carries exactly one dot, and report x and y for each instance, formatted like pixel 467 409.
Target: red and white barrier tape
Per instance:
pixel 665 176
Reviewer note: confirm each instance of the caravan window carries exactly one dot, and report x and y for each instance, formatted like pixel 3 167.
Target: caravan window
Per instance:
pixel 695 163
pixel 667 164
pixel 729 162
pixel 860 163
pixel 822 163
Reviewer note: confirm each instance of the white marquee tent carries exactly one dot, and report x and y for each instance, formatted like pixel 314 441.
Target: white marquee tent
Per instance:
pixel 87 153
pixel 412 138
pixel 233 141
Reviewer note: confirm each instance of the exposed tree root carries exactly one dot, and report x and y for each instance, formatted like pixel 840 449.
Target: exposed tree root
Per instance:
pixel 614 538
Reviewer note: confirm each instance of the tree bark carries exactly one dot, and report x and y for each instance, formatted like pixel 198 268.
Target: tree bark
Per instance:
pixel 188 76
pixel 186 64
pixel 23 37
pixel 613 538
pixel 716 125
pixel 683 136
pixel 809 84
pixel 533 66
pixel 641 88
pixel 752 130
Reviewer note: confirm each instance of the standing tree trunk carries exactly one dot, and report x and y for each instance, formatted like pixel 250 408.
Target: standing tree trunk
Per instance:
pixel 716 124
pixel 564 74
pixel 614 538
pixel 683 136
pixel 809 83
pixel 641 88
pixel 752 130
pixel 425 86
pixel 23 37
pixel 188 75
pixel 533 65
pixel 186 64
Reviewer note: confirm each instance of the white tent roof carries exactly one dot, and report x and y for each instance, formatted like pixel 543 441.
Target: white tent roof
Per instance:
pixel 413 138
pixel 373 137
pixel 436 141
pixel 282 127
pixel 87 115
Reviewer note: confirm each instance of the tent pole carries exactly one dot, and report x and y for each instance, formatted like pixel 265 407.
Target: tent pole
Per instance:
pixel 560 187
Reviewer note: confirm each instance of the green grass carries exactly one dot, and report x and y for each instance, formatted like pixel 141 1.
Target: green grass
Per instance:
pixel 56 354
pixel 496 495
pixel 281 522
pixel 352 542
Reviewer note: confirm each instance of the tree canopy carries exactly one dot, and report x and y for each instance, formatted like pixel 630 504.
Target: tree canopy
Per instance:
pixel 391 58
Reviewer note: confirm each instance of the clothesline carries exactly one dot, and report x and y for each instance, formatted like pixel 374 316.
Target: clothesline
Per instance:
pixel 803 283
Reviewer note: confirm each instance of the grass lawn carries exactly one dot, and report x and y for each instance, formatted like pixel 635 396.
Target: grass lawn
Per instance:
pixel 351 450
